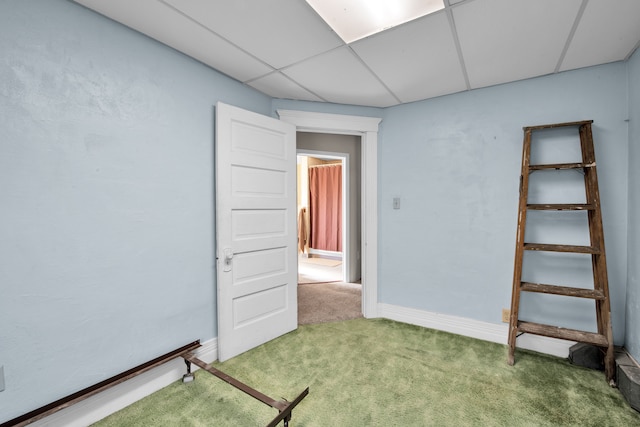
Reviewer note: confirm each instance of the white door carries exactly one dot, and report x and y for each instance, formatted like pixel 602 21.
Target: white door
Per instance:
pixel 256 229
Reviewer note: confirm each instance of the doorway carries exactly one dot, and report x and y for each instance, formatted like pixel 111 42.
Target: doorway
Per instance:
pixel 366 128
pixel 329 263
pixel 323 216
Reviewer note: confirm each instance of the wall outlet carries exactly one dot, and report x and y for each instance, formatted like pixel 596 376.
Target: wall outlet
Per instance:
pixel 505 315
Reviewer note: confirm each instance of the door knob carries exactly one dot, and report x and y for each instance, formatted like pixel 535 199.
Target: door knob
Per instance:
pixel 228 257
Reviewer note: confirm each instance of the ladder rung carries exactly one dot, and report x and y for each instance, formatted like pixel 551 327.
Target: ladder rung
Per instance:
pixel 563 333
pixel 557 166
pixel 558 125
pixel 562 207
pixel 562 290
pixel 561 248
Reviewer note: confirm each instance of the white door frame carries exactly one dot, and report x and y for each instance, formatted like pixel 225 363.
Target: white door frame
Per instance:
pixel 346 206
pixel 367 129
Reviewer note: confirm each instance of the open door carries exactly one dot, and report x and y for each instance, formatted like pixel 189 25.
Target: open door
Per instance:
pixel 255 229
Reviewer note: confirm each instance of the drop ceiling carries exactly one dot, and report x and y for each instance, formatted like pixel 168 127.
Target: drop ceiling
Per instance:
pixel 285 50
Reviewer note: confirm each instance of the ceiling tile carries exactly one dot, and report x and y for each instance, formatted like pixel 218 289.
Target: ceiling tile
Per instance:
pixel 508 40
pixel 339 76
pixel 356 19
pixel 500 41
pixel 279 32
pixel 417 60
pixel 279 86
pixel 164 24
pixel 608 31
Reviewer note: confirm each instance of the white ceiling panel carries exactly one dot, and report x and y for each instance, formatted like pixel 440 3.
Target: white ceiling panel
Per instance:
pixel 164 24
pixel 356 19
pixel 279 86
pixel 417 60
pixel 284 49
pixel 280 32
pixel 508 40
pixel 608 31
pixel 339 76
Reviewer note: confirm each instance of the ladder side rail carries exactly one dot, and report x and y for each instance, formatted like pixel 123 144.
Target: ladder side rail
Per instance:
pixel 588 154
pixel 599 265
pixel 517 267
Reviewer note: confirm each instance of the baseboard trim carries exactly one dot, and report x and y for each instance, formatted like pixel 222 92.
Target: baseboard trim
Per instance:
pixel 122 395
pixel 325 253
pixel 473 328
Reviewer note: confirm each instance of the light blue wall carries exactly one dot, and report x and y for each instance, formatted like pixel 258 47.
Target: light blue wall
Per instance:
pixel 455 163
pixel 106 182
pixel 106 189
pixel 632 340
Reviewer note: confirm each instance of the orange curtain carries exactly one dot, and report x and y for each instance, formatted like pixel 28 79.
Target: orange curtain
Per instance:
pixel 325 207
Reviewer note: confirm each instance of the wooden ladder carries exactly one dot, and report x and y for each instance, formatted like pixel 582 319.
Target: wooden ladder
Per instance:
pixel 600 292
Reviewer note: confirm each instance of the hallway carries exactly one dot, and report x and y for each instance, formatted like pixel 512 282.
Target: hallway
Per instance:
pixel 322 295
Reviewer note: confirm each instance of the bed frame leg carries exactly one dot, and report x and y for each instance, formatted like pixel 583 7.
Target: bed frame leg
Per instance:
pixel 188 377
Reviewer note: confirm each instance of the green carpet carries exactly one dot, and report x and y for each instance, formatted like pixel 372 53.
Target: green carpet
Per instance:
pixel 384 373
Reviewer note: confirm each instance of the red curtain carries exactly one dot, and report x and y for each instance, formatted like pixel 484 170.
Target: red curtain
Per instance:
pixel 325 207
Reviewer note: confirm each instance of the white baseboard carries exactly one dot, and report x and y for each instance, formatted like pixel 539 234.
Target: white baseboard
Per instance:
pixel 122 395
pixel 474 328
pixel 325 254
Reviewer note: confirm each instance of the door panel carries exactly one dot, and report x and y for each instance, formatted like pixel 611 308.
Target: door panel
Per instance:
pixel 256 229
pixel 258 224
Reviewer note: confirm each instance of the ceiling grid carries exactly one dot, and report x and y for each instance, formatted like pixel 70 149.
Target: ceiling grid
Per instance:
pixel 284 48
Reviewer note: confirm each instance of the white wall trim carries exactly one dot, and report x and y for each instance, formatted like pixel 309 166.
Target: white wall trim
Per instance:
pixel 322 122
pixel 367 129
pixel 122 395
pixel 474 329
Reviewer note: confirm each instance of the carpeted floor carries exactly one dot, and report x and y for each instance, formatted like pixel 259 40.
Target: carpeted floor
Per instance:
pixel 329 302
pixel 318 270
pixel 322 295
pixel 378 372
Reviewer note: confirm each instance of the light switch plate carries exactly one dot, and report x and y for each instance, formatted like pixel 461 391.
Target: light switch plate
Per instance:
pixel 396 203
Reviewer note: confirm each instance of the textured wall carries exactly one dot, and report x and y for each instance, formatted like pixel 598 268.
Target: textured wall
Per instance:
pixel 455 161
pixel 632 341
pixel 106 189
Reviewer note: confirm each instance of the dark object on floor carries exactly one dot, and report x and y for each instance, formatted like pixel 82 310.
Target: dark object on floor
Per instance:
pixel 629 379
pixel 587 356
